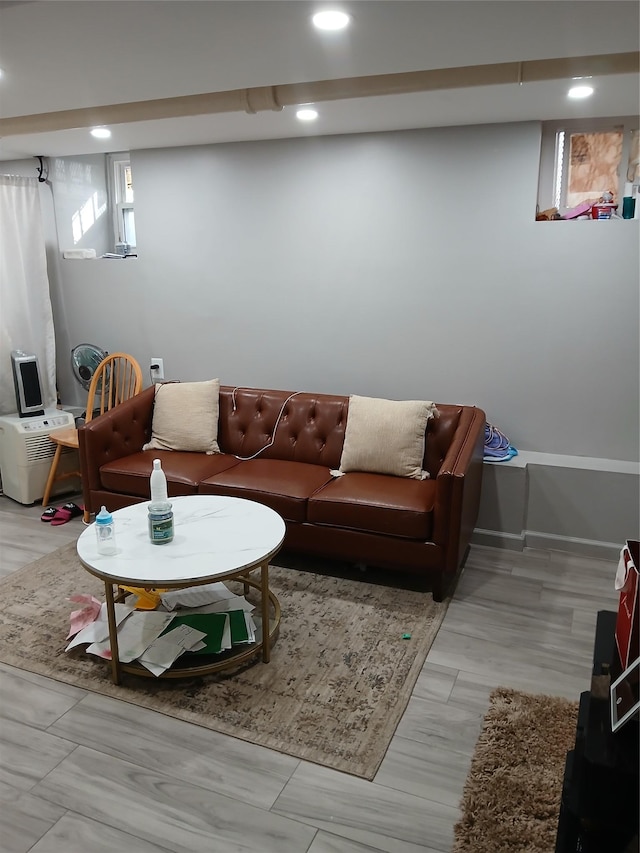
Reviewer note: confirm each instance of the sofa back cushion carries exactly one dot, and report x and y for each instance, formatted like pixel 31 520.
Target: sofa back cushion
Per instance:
pixel 386 436
pixel 185 417
pixel 308 427
pixel 311 427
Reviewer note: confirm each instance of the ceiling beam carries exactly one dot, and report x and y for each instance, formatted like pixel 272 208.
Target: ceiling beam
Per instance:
pixel 264 98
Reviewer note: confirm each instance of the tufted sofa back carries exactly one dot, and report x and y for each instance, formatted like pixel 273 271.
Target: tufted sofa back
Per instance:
pixel 308 427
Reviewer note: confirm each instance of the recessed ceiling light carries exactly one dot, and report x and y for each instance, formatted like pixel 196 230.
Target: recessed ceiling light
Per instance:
pixel 580 92
pixel 330 20
pixel 101 132
pixel 307 114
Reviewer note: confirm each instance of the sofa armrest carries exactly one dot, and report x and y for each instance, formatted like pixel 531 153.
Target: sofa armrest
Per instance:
pixel 459 481
pixel 117 433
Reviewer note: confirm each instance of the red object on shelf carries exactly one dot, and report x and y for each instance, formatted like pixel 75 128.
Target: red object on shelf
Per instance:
pixel 627 628
pixel 603 210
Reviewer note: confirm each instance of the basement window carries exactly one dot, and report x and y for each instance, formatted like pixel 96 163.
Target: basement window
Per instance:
pixel 587 165
pixel 580 161
pixel 120 182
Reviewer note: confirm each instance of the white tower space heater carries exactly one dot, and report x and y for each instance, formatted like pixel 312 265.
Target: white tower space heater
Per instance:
pixel 26 453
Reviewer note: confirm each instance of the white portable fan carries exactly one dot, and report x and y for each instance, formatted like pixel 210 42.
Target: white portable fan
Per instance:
pixel 85 359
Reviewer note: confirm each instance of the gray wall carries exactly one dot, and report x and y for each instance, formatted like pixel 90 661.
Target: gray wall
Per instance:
pixel 401 265
pixel 79 181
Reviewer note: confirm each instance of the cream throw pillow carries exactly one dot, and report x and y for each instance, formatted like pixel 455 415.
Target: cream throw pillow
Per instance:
pixel 185 417
pixel 386 437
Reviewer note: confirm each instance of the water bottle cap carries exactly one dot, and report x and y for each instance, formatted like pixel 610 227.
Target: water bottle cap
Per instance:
pixel 104 516
pixel 156 465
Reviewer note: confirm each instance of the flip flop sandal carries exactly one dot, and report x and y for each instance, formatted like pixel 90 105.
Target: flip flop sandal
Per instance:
pixel 48 514
pixel 65 513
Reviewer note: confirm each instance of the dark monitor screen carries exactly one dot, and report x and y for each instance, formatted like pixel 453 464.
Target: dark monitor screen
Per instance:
pixel 30 383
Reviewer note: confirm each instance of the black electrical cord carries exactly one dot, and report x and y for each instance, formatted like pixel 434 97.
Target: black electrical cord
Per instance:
pixel 41 170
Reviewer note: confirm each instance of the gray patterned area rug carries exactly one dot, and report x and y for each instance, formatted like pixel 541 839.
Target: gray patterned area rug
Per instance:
pixel 340 676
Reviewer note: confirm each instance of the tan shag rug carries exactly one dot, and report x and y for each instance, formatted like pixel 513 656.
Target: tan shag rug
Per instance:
pixel 511 798
pixel 340 676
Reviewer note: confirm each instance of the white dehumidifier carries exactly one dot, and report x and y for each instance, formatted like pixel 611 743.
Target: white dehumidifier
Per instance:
pixel 26 453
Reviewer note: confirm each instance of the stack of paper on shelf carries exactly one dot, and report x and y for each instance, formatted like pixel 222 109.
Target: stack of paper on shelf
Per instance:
pixel 204 620
pixel 169 646
pixel 135 634
pixel 223 630
pixel 214 596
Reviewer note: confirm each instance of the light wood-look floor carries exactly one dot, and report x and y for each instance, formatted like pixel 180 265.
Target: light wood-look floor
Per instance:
pixel 81 773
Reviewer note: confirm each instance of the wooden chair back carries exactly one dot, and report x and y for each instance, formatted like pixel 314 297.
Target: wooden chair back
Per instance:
pixel 117 378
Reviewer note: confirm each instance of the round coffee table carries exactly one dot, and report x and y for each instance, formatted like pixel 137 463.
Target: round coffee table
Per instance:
pixel 215 539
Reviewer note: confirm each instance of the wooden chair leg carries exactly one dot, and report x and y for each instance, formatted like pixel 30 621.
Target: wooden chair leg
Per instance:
pixel 52 475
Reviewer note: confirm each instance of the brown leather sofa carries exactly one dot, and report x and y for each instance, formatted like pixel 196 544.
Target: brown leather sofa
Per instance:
pixel 417 526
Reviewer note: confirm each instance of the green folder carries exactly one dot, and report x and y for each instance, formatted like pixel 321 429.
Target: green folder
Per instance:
pixel 211 624
pixel 238 624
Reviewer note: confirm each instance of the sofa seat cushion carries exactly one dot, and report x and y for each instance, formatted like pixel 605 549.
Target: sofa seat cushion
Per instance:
pixel 282 485
pixel 183 470
pixel 376 503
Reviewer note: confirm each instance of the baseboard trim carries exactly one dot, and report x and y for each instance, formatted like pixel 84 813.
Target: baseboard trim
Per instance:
pixel 497 539
pixel 547 542
pixel 573 545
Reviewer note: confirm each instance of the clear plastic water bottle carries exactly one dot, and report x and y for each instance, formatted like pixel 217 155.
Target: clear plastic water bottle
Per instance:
pixel 160 512
pixel 105 533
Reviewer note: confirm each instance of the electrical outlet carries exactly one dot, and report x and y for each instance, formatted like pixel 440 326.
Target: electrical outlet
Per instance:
pixel 156 369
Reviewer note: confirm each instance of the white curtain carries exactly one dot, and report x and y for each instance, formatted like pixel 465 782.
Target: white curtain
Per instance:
pixel 26 318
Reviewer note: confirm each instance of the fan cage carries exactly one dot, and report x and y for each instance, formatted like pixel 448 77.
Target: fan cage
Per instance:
pixel 85 358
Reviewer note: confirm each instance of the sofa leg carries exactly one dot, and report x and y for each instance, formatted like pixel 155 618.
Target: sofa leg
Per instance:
pixel 362 567
pixel 443 586
pixel 439 589
pixel 445 583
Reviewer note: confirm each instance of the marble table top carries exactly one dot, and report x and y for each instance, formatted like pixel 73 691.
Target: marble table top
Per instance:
pixel 213 536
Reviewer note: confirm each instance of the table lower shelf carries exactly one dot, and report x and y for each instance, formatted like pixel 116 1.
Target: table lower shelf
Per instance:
pixel 208 664
pixel 192 665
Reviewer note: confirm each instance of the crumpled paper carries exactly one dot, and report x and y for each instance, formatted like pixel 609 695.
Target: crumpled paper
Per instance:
pixel 85 615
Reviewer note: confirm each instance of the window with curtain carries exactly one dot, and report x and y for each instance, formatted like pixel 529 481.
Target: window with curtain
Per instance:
pixel 26 320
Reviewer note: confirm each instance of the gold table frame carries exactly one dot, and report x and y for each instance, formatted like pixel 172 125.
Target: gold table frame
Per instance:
pixel 229 659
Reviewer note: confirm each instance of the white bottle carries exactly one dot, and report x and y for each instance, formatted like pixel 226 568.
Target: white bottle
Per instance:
pixel 105 533
pixel 158 484
pixel 160 512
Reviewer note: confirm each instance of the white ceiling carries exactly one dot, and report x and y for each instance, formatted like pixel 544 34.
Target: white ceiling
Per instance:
pixel 69 55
